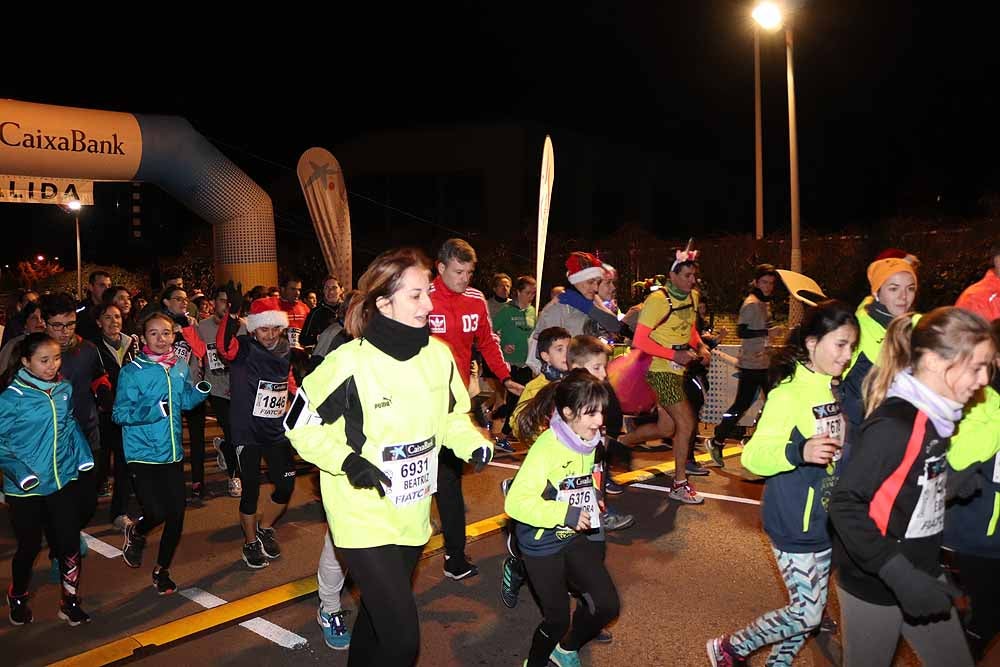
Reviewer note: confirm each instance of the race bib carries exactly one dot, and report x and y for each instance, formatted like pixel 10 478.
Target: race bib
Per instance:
pixel 412 469
pixel 831 423
pixel 270 399
pixel 928 514
pixel 212 355
pixel 580 492
pixel 183 350
pixel 293 336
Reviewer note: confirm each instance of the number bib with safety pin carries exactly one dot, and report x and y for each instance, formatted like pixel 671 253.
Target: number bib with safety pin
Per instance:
pixel 212 355
pixel 271 398
pixel 830 422
pixel 580 492
pixel 928 514
pixel 183 350
pixel 412 469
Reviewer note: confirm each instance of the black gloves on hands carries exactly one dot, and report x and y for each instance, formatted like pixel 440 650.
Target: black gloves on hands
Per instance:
pixel 363 474
pixel 920 595
pixel 234 293
pixel 481 457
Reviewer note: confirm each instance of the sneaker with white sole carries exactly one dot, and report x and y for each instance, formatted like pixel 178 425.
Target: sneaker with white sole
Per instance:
pixel 564 658
pixel 721 653
pixel 19 611
pixel 336 634
pixel 253 556
pixel 134 544
pixel 268 543
pixel 458 567
pixel 684 492
pixel 715 451
pixel 615 521
pixel 70 611
pixel 162 582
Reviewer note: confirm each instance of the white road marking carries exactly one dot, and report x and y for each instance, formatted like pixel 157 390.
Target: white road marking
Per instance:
pixel 262 627
pixel 100 547
pixel 505 465
pixel 715 496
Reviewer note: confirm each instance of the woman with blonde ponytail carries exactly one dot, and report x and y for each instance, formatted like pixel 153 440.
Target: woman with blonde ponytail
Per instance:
pixel 888 508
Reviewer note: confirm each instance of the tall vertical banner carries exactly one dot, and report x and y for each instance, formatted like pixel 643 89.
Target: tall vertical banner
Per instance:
pixel 322 182
pixel 544 201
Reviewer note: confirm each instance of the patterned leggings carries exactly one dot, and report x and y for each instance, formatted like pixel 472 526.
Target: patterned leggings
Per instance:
pixel 807 577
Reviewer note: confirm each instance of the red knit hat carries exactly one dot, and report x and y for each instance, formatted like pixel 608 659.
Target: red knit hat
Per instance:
pixel 582 266
pixel 266 312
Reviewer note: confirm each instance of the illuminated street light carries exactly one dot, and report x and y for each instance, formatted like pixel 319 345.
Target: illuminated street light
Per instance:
pixel 41 258
pixel 74 205
pixel 768 16
pixel 74 208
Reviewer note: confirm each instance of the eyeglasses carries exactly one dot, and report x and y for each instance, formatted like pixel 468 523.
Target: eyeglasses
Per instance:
pixel 61 326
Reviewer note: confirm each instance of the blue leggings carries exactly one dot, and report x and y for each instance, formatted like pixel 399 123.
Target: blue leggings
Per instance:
pixel 807 577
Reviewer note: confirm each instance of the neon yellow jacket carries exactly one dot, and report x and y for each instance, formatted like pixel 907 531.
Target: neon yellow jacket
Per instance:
pixel 530 390
pixel 370 402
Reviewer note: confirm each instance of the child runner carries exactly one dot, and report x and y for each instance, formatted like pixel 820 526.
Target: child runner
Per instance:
pixel 153 390
pixel 260 379
pixel 796 446
pixel 888 508
pixel 42 451
pixel 554 500
pixel 553 343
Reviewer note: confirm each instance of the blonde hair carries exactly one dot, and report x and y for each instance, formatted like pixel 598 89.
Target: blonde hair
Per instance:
pixel 382 278
pixel 949 332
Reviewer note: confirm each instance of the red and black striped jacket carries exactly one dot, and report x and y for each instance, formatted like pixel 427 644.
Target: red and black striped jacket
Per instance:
pixel 890 499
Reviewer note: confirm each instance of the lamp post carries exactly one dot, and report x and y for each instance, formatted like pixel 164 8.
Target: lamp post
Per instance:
pixel 74 206
pixel 758 148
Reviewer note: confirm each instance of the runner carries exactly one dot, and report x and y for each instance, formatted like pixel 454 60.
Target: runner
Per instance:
pixel 295 311
pixel 888 508
pixel 260 375
pixel 554 500
pixel 797 445
pixel 983 297
pixel 324 314
pixel 42 452
pixel 552 348
pixel 153 389
pixel 388 401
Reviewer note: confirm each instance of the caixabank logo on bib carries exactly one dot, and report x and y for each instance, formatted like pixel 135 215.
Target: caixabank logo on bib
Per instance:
pixel 77 141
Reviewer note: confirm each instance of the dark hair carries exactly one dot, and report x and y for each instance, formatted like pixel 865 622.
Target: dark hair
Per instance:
pixel 522 282
pixel 198 300
pixel 25 348
pixel 818 321
pixel 111 292
pixel 217 290
pixel 103 308
pixel 762 270
pixel 681 265
pixel 548 336
pixel 579 391
pixel 380 280
pixel 172 274
pixel 457 249
pixel 167 293
pixel 156 314
pixel 497 277
pixel 290 278
pixel 94 275
pixel 582 348
pixel 56 304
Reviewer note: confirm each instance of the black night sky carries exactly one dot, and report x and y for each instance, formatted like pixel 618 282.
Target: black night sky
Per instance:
pixel 897 104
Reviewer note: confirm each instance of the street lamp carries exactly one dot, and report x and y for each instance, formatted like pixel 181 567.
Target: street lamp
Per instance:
pixel 74 206
pixel 768 15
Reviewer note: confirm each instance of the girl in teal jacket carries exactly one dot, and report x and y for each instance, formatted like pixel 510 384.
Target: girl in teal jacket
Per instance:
pixel 554 499
pixel 797 445
pixel 152 391
pixel 41 453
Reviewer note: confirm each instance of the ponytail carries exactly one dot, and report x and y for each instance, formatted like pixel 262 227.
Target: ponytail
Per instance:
pixel 533 418
pixel 893 358
pixel 24 348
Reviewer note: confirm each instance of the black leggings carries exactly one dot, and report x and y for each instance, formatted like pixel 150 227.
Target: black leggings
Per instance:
pixel 160 490
pixel 387 631
pixel 58 516
pixel 196 429
pixel 751 379
pixel 280 470
pixel 578 567
pixel 220 406
pixel 111 443
pixel 451 502
pixel 977 577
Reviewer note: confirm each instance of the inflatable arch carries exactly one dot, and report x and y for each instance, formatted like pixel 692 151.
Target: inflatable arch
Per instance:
pixel 63 142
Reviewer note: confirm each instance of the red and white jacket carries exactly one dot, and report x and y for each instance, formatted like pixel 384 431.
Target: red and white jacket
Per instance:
pixel 461 320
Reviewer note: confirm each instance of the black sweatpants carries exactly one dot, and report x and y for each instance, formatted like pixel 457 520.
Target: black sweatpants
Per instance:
pixel 160 490
pixel 58 516
pixel 280 470
pixel 521 375
pixel 111 445
pixel 196 430
pixel 977 576
pixel 451 502
pixel 751 379
pixel 578 567
pixel 387 631
pixel 220 406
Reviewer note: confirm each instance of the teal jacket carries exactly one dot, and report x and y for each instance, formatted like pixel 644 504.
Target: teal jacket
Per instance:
pixel 970 526
pixel 796 494
pixel 41 446
pixel 151 433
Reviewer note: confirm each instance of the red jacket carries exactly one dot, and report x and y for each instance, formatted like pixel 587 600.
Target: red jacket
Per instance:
pixel 983 298
pixel 461 320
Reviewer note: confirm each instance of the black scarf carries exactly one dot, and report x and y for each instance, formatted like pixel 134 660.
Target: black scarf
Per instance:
pixel 880 314
pixel 400 341
pixel 760 295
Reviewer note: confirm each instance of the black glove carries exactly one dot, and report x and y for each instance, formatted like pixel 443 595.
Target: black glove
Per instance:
pixel 920 595
pixel 481 457
pixel 363 474
pixel 963 484
pixel 234 294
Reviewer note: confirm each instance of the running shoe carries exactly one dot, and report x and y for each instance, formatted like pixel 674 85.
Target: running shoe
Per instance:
pixel 505 485
pixel 269 545
pixel 458 567
pixel 612 488
pixel 564 658
pixel 614 521
pixel 684 492
pixel 120 522
pixel 502 446
pixel 253 555
pixel 235 487
pixel 604 636
pixel 715 451
pixel 220 459
pixel 511 580
pixel 20 612
pixel 336 634
pixel 134 544
pixel 198 494
pixel 695 468
pixel 162 582
pixel 721 653
pixel 70 611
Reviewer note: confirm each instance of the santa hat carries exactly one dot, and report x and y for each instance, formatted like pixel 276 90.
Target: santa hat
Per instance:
pixel 266 312
pixel 896 253
pixel 582 266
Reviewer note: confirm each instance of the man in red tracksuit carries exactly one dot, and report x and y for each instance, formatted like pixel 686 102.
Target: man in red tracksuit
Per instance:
pixel 460 319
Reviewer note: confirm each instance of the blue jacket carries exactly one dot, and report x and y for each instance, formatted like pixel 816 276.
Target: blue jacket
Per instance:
pixel 151 433
pixel 41 446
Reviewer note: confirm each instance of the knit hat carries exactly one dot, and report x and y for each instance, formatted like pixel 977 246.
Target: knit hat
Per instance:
pixel 881 269
pixel 266 312
pixel 582 266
